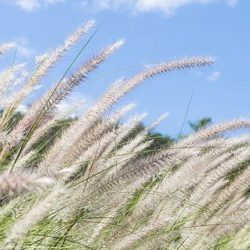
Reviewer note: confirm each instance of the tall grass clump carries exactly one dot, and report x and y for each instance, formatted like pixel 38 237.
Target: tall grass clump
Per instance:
pixel 93 182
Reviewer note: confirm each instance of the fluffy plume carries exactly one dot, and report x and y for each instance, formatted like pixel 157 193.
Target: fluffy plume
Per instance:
pixel 18 183
pixel 5 47
pixel 46 62
pixel 36 214
pixel 58 93
pixel 120 89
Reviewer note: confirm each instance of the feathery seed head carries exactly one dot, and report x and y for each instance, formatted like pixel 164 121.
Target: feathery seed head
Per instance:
pixel 20 182
pixel 158 121
pixel 74 37
pixel 6 46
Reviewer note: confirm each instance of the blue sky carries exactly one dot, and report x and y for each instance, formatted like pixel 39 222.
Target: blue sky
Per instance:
pixel 155 31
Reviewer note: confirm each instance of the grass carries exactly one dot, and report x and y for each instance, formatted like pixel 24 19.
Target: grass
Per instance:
pixel 94 182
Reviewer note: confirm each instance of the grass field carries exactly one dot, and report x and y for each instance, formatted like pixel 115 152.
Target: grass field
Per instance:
pixel 92 182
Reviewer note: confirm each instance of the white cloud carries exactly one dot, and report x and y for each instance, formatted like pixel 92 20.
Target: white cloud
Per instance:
pixel 23 48
pixel 71 107
pixel 214 76
pixel 167 6
pixel 232 2
pixel 39 86
pixel 22 108
pixel 28 5
pixel 31 5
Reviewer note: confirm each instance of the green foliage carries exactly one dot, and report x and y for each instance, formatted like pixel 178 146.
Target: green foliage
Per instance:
pixel 159 141
pixel 200 124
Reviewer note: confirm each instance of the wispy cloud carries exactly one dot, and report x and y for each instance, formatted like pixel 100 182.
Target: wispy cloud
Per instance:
pixel 214 76
pixel 27 5
pixel 232 2
pixel 23 48
pixel 136 6
pixel 167 6
pixel 22 108
pixel 31 5
pixel 74 105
